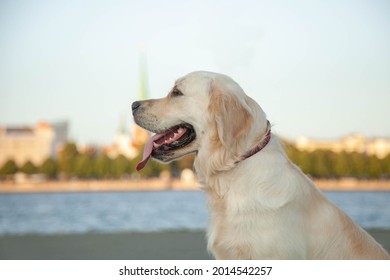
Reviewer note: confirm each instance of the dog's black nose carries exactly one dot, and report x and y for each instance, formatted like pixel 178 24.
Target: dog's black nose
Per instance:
pixel 135 105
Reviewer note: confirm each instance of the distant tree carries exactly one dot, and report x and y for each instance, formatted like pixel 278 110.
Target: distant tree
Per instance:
pixel 358 165
pixel 119 166
pixel 320 164
pixel 9 168
pixel 29 168
pixel 374 167
pixel 67 158
pixel 302 159
pixel 102 166
pixel 341 165
pixel 386 166
pixel 291 151
pixel 305 161
pixel 84 166
pixel 133 163
pixel 49 167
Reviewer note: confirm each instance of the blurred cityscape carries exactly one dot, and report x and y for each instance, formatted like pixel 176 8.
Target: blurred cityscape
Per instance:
pixel 42 152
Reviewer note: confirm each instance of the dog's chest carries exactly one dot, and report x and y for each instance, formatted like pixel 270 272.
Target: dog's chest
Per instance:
pixel 231 228
pixel 240 229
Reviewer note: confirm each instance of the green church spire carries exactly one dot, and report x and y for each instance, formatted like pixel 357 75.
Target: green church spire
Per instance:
pixel 143 94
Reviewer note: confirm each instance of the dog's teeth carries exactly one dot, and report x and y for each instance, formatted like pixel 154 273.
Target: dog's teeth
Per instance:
pixel 180 130
pixel 155 144
pixel 175 135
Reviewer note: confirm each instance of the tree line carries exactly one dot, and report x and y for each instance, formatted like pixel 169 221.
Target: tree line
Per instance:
pixel 93 165
pixel 328 164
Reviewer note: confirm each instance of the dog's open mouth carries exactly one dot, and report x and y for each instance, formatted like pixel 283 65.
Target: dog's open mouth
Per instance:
pixel 173 139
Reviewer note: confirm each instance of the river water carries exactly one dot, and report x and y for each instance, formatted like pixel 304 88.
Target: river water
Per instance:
pixel 47 213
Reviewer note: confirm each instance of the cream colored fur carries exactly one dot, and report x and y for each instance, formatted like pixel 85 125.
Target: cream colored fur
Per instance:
pixel 262 207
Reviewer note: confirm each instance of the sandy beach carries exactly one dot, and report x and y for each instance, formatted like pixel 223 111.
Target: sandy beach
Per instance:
pixel 175 245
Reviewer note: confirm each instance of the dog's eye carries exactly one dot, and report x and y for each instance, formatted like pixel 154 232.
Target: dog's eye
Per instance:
pixel 175 92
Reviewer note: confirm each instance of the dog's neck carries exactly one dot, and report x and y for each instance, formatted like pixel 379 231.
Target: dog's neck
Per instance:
pixel 205 164
pixel 260 146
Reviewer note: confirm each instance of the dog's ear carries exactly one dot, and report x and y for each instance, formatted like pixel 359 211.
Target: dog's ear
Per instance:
pixel 231 117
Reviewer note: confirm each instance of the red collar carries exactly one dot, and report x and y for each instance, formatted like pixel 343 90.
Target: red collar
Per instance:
pixel 261 146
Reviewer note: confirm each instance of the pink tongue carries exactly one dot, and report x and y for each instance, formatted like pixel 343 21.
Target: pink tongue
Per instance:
pixel 167 137
pixel 147 152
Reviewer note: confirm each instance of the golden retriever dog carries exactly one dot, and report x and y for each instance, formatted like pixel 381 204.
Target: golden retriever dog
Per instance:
pixel 261 205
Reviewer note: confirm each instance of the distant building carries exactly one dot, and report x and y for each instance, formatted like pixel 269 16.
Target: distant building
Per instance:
pixel 34 144
pixel 379 147
pixel 127 144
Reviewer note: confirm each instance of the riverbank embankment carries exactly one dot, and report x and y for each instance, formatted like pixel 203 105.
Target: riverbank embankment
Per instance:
pixel 157 184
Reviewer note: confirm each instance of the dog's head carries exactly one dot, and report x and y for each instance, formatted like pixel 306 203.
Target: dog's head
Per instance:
pixel 204 112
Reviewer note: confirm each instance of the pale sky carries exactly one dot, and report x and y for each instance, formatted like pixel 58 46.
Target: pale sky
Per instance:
pixel 317 68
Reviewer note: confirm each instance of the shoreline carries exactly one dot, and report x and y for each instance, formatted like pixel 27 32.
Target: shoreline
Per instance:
pixel 164 245
pixel 157 184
